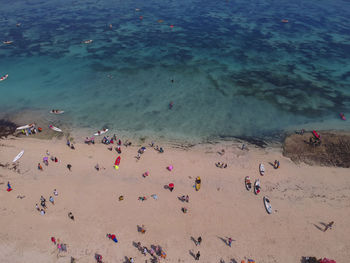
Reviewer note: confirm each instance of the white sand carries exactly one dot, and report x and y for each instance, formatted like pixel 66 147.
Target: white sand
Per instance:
pixel 301 197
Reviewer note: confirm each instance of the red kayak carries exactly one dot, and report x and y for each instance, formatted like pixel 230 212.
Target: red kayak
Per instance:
pixel 342 116
pixel 117 161
pixel 316 134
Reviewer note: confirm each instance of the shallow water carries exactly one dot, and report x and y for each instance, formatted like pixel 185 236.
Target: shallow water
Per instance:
pixel 237 69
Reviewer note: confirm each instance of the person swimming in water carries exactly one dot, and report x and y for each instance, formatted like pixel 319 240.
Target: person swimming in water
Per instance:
pixel 171 104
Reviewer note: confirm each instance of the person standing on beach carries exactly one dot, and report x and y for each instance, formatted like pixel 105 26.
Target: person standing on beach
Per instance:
pixel 69 166
pixel 230 241
pixel 197 255
pixel 329 226
pixel 199 241
pixel 51 200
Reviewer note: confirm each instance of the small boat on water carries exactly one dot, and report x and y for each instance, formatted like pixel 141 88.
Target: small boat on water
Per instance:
pixel 26 126
pixel 101 132
pixel 56 111
pixel 342 116
pixel 284 21
pixel 55 128
pixel 87 41
pixel 267 205
pixel 7 42
pixel 4 77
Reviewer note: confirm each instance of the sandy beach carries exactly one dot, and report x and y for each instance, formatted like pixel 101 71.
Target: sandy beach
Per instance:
pixel 303 198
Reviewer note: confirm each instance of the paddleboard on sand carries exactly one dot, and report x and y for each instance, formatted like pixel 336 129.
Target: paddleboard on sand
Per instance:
pixel 4 77
pixel 257 186
pixel 18 156
pixel 101 132
pixel 26 126
pixel 56 111
pixel 248 184
pixel 55 128
pixel 262 169
pixel 267 205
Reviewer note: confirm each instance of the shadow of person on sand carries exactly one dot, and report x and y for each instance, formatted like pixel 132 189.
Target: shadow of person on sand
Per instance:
pixel 223 240
pixel 194 240
pixel 192 254
pixel 320 228
pixel 271 164
pixel 308 260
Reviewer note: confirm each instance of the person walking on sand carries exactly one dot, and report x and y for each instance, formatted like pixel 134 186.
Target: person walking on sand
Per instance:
pixel 70 215
pixel 51 200
pixel 197 255
pixel 144 251
pixel 37 207
pixel 69 166
pixel 329 226
pixel 55 192
pixel 199 241
pixel 230 241
pixel 40 167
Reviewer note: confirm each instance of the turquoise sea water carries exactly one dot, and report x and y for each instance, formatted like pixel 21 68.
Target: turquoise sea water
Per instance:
pixel 237 69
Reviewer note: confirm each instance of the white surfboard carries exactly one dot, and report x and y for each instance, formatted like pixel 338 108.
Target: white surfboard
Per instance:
pixel 18 156
pixel 25 126
pixel 262 169
pixel 55 128
pixel 101 132
pixel 267 205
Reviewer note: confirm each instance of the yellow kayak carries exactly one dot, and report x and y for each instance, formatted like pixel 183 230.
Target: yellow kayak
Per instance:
pixel 198 183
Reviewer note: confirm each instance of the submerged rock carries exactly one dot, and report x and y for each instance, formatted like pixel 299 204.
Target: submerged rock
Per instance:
pixel 334 149
pixel 7 128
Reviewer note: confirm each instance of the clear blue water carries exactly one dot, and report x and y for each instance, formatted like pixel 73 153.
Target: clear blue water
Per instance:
pixel 237 69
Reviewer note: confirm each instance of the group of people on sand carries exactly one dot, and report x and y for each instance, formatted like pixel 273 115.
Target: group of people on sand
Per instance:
pixel 46 161
pixel 70 144
pixel 221 165
pixel 43 208
pixel 154 251
pixel 62 247
pixel 157 148
pixel 107 140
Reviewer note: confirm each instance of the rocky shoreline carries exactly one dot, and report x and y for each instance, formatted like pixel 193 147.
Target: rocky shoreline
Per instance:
pixel 334 149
